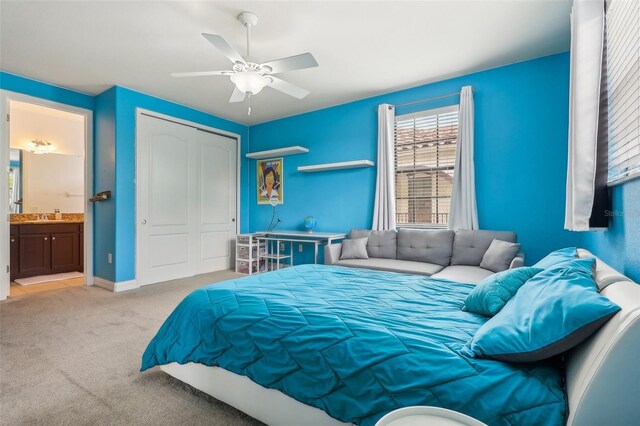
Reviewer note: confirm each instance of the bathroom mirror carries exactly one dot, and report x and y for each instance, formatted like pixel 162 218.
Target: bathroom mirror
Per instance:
pixel 42 183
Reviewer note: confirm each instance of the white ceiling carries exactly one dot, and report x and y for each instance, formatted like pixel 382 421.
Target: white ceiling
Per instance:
pixel 363 48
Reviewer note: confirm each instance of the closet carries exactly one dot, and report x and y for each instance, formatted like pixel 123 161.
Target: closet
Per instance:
pixel 186 200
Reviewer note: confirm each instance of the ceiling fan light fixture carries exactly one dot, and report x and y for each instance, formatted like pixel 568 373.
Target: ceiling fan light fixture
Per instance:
pixel 39 146
pixel 250 82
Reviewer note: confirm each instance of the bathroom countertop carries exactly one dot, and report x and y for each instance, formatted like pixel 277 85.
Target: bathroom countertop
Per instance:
pixel 32 218
pixel 45 222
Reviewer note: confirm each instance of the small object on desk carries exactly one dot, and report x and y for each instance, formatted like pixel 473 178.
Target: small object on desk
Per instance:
pixel 427 416
pixel 310 223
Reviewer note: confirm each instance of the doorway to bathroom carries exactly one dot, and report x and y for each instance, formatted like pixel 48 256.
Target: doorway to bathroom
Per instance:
pixel 47 149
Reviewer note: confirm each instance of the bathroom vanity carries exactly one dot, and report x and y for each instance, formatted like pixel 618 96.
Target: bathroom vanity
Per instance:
pixel 46 247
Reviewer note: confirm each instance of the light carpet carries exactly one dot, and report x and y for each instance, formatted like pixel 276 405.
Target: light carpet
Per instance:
pixel 72 357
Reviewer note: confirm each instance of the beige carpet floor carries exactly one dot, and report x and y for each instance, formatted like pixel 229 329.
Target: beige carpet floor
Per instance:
pixel 72 357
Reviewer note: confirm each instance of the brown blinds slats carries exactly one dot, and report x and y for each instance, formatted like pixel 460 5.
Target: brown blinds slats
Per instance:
pixel 425 154
pixel 623 82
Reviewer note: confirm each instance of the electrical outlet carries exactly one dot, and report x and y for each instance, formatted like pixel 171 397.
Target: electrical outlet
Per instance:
pixel 109 258
pixel 281 247
pixel 300 248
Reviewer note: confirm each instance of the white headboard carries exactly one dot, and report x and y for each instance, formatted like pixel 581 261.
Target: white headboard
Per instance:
pixel 603 372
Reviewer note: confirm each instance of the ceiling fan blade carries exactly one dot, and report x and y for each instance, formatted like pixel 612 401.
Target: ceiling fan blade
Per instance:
pixel 237 96
pixel 292 63
pixel 199 73
pixel 224 47
pixel 288 88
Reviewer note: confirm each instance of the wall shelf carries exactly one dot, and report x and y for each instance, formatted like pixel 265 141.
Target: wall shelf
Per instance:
pixel 279 152
pixel 337 166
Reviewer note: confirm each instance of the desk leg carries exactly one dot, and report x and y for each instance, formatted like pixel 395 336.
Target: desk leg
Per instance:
pixel 315 247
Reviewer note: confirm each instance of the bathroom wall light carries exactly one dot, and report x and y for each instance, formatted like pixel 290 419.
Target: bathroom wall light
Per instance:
pixel 39 146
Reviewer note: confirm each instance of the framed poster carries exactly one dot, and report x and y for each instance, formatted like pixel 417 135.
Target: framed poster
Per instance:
pixel 270 181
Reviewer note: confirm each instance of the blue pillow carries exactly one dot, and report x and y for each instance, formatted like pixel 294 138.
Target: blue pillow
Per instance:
pixel 550 314
pixel 556 257
pixel 493 292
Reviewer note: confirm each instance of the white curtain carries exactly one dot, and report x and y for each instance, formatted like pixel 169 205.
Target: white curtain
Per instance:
pixel 384 209
pixel 587 43
pixel 463 212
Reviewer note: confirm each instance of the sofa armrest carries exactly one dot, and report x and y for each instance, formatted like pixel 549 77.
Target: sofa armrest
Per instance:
pixel 518 261
pixel 332 253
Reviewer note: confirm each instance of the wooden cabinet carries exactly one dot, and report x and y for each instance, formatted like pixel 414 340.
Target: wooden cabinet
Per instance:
pixel 34 255
pixel 65 248
pixel 14 250
pixel 46 249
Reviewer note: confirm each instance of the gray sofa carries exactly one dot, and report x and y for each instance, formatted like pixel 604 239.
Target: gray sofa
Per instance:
pixel 452 255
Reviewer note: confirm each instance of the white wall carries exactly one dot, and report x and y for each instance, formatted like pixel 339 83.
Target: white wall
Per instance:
pixel 52 181
pixel 56 180
pixel 63 129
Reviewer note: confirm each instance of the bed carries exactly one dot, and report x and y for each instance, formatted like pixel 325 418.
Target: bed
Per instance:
pixel 327 345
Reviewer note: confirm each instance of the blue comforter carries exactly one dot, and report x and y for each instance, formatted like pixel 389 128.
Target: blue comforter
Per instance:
pixel 357 344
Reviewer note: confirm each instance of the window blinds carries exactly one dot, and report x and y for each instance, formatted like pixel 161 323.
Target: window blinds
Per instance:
pixel 425 155
pixel 623 80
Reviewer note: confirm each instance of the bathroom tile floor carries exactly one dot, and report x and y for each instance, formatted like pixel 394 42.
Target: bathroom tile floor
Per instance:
pixel 20 290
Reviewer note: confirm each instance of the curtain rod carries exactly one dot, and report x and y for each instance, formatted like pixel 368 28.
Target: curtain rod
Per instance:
pixel 419 101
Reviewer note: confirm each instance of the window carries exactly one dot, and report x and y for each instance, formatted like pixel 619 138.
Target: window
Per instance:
pixel 425 158
pixel 623 80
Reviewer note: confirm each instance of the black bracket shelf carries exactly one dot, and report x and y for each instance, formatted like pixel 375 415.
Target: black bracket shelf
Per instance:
pixel 101 196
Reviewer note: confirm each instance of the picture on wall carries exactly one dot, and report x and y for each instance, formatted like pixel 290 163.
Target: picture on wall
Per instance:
pixel 270 181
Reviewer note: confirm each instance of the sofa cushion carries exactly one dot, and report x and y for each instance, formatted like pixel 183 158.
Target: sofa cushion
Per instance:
pixel 381 244
pixel 470 246
pixel 354 249
pixel 463 274
pixel 425 246
pixel 392 265
pixel 499 255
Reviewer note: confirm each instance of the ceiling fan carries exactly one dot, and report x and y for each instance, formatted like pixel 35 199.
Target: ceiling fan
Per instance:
pixel 250 77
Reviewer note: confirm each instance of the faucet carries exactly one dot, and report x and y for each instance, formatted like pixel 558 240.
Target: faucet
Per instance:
pixel 44 216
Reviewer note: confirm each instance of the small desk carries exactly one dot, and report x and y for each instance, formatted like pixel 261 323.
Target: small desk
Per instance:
pixel 315 238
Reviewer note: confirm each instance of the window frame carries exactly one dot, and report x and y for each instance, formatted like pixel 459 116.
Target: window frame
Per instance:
pixel 423 114
pixel 634 173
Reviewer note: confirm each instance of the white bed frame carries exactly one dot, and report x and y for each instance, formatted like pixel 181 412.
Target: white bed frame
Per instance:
pixel 602 380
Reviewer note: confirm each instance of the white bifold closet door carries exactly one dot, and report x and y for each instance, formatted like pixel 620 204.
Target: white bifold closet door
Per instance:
pixel 186 183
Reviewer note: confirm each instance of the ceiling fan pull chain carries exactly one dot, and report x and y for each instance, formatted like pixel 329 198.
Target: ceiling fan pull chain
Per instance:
pixel 249 110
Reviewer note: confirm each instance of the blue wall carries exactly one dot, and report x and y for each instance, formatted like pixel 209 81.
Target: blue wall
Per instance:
pixel 126 103
pixel 104 179
pixel 521 128
pixel 114 162
pixel 619 245
pixel 521 152
pixel 38 89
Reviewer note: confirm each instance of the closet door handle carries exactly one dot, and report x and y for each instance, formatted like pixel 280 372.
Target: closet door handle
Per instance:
pixel 13 240
pixel 45 238
pixel 53 238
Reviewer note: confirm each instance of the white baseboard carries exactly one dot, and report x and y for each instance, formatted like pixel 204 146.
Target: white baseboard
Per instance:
pixel 115 286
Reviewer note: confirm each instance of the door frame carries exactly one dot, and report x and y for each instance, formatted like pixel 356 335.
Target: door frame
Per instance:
pixel 142 111
pixel 5 97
